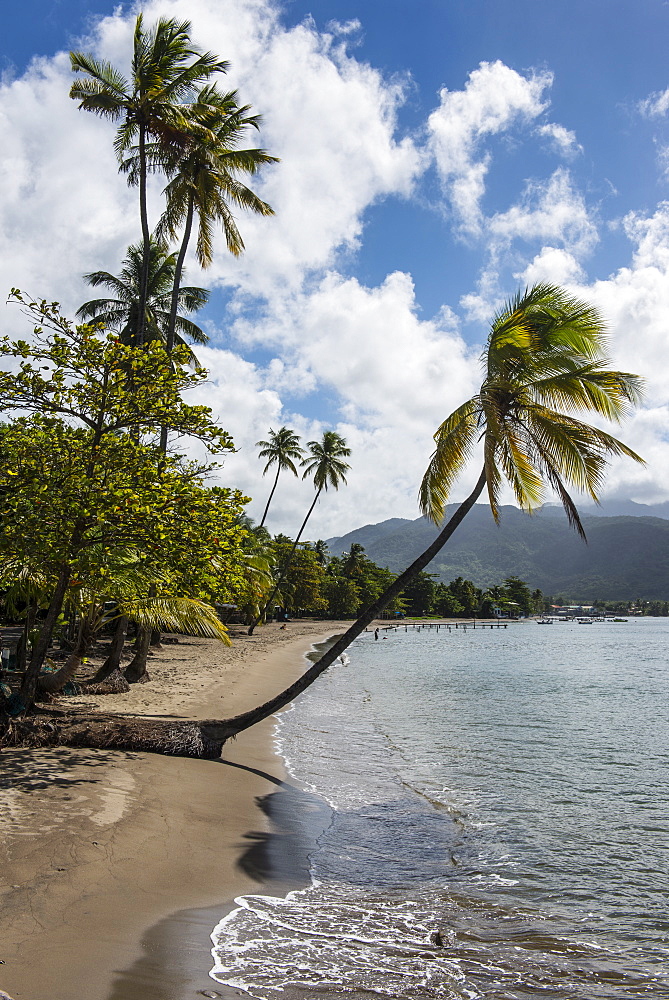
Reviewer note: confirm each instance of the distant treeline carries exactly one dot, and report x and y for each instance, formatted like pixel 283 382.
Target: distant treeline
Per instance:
pixel 341 586
pixel 653 609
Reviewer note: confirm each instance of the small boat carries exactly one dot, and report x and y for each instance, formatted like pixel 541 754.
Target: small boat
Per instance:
pixel 545 621
pixel 584 621
pixel 619 619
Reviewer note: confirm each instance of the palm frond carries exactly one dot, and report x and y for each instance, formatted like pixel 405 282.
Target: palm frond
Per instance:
pixel 454 439
pixel 544 361
pixel 179 614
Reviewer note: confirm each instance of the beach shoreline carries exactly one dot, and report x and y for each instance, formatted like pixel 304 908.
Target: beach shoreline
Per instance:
pixel 112 862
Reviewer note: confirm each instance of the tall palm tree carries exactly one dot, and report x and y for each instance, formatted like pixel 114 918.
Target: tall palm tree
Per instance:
pixel 206 182
pixel 545 355
pixel 122 312
pixel 321 550
pixel 355 560
pixel 153 105
pixel 327 466
pixel 283 450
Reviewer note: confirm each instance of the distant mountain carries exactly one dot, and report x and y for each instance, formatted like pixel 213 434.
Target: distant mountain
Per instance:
pixel 626 557
pixel 368 535
pixel 617 508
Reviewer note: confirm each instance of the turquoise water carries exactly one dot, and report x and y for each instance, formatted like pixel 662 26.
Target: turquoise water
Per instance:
pixel 499 821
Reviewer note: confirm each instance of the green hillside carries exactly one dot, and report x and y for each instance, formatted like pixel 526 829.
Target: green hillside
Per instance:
pixel 625 558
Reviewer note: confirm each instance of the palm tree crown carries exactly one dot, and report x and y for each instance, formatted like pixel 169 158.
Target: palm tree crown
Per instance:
pixel 122 312
pixel 156 100
pixel 545 350
pixel 325 463
pixel 205 174
pixel 283 450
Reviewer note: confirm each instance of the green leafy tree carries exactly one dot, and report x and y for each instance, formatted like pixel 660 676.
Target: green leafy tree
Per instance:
pixel 369 581
pixel 539 602
pixel 466 594
pixel 283 450
pixel 354 564
pixel 254 582
pixel 342 596
pixel 419 595
pixel 303 578
pixel 519 593
pixel 87 482
pixel 321 550
pixel 446 603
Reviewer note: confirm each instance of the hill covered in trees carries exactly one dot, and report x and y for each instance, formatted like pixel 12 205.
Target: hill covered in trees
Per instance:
pixel 626 557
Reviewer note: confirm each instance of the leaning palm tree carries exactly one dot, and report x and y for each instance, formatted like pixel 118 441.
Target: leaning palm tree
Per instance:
pixel 122 312
pixel 153 105
pixel 327 466
pixel 283 450
pixel 545 355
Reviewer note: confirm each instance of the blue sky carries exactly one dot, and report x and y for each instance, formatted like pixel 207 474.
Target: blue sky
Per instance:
pixel 434 156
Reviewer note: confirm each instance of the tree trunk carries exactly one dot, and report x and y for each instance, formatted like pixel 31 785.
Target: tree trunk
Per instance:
pixel 114 732
pixel 178 270
pixel 276 480
pixel 53 683
pixel 29 685
pixel 113 661
pixel 22 647
pixel 146 239
pixel 285 568
pixel 135 672
pixel 206 738
pixel 174 304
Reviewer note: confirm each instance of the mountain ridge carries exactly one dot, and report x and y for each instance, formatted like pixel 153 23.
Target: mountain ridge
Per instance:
pixel 627 555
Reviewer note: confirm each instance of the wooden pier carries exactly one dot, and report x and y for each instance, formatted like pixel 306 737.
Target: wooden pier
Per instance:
pixel 447 625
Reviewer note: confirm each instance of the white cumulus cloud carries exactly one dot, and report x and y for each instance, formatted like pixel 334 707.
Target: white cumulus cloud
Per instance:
pixel 561 139
pixel 494 99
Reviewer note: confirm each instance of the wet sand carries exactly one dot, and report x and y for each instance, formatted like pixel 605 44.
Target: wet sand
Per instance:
pixel 115 867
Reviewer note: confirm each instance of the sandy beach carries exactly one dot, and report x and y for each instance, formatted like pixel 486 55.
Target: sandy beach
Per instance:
pixel 114 867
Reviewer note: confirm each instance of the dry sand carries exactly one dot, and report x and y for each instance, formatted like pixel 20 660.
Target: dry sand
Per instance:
pixel 114 867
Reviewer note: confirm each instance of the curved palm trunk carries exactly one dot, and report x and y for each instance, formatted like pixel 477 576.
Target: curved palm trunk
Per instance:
pixel 231 727
pixel 286 567
pixel 278 472
pixel 178 270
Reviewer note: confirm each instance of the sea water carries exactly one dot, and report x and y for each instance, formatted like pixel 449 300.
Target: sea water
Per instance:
pixel 498 821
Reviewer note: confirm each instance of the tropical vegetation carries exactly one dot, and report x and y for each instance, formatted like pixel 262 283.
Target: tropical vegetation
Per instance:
pixel 107 528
